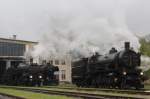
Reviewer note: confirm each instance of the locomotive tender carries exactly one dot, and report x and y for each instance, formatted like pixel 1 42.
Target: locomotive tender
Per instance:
pixel 30 75
pixel 114 70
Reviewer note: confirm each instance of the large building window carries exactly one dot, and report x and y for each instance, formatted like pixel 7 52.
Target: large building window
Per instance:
pixel 56 62
pixel 56 75
pixel 11 49
pixel 51 62
pixel 63 62
pixel 63 74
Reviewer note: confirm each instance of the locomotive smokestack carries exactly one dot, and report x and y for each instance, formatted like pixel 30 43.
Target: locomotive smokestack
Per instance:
pixel 14 37
pixel 127 45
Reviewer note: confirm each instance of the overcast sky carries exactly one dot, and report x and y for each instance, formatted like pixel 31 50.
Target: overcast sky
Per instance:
pixel 30 18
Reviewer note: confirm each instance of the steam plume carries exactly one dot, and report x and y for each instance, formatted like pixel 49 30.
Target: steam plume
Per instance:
pixel 85 30
pixel 83 36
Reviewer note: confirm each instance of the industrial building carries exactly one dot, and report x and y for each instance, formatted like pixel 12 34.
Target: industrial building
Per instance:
pixel 64 65
pixel 12 51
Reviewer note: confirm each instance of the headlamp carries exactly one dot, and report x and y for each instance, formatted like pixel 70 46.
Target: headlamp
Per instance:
pixel 31 77
pixel 40 77
pixel 124 73
pixel 141 73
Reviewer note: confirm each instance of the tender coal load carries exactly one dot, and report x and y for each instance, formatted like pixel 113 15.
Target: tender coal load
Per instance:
pixel 116 69
pixel 31 75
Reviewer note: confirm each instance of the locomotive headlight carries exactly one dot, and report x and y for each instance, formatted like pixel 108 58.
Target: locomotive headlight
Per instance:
pixel 141 73
pixel 124 73
pixel 40 77
pixel 31 77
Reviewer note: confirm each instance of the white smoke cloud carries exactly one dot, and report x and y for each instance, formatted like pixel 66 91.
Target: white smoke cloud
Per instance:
pixel 85 26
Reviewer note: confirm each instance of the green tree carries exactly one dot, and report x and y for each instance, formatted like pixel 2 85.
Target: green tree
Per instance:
pixel 145 47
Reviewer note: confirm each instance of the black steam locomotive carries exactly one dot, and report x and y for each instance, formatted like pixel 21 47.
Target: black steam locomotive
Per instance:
pixel 30 75
pixel 114 70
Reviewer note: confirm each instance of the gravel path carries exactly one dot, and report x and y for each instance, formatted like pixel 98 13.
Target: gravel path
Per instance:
pixel 5 97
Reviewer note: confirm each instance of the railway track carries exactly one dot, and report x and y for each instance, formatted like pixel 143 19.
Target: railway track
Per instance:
pixel 78 94
pixel 140 92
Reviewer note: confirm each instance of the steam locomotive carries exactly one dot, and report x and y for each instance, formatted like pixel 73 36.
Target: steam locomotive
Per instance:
pixel 30 75
pixel 114 70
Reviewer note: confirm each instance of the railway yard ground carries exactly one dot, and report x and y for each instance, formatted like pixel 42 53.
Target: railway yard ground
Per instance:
pixel 71 92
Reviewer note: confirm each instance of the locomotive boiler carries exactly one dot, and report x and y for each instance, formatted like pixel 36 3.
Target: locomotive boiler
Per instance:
pixel 118 69
pixel 31 75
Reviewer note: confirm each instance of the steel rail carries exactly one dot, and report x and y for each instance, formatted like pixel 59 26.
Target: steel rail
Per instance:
pixel 141 92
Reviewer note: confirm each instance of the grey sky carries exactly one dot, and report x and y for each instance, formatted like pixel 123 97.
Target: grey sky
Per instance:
pixel 30 18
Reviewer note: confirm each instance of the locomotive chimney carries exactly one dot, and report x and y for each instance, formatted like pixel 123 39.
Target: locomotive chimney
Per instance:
pixel 127 45
pixel 14 37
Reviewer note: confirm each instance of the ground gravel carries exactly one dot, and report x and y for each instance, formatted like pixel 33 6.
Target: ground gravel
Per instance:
pixel 5 97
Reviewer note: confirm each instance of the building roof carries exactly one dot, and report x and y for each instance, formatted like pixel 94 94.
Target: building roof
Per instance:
pixel 17 40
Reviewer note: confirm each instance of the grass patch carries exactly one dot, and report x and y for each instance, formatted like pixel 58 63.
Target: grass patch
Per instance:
pixel 30 95
pixel 67 85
